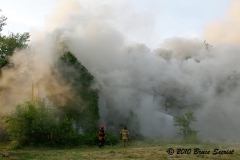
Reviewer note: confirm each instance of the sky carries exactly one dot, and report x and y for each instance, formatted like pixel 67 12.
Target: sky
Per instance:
pixel 155 20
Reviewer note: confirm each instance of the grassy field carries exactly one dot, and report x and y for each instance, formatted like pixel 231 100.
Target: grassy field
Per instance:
pixel 147 150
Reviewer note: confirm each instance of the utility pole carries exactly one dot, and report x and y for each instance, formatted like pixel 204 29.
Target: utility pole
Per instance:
pixel 32 90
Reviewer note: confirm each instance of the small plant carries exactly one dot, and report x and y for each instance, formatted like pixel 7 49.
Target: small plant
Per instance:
pixel 184 122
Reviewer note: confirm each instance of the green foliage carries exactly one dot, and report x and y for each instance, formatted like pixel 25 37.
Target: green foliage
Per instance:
pixel 34 123
pixel 31 123
pixel 184 122
pixel 90 138
pixel 10 43
pixel 3 134
pixel 2 21
pixel 84 108
pixel 13 145
pixel 64 133
pixel 111 139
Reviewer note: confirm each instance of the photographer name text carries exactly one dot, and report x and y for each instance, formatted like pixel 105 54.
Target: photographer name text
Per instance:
pixel 171 151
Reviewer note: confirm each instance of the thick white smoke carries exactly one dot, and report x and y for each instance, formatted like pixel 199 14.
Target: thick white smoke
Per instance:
pixel 225 30
pixel 205 79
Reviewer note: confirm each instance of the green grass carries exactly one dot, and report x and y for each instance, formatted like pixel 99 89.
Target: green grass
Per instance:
pixel 152 150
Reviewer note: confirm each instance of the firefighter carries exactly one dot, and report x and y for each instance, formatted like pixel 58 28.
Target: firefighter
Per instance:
pixel 125 136
pixel 101 136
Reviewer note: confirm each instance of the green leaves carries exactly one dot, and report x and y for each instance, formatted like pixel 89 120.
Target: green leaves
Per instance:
pixel 11 42
pixel 30 123
pixel 8 44
pixel 186 119
pixel 184 123
pixel 77 76
pixel 2 21
pixel 35 123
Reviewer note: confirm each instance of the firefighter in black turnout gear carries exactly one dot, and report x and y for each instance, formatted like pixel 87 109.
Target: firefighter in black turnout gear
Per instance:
pixel 101 136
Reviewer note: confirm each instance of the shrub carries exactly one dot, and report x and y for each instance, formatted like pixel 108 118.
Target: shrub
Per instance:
pixel 3 135
pixel 90 138
pixel 189 134
pixel 63 133
pixel 111 139
pixel 31 123
pixel 36 124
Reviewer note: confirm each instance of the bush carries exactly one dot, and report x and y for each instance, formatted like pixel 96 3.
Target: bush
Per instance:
pixel 63 133
pixel 111 139
pixel 90 138
pixel 189 134
pixel 31 123
pixel 3 135
pixel 14 145
pixel 36 124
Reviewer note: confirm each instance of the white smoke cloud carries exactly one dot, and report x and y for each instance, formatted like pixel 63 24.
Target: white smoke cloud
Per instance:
pixel 226 30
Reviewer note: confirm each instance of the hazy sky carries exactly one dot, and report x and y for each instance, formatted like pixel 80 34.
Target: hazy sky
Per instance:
pixel 155 20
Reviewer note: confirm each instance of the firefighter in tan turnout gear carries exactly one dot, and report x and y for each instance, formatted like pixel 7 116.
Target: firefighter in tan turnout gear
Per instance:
pixel 125 136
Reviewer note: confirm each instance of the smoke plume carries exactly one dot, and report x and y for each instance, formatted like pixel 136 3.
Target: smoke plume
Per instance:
pixel 183 71
pixel 225 30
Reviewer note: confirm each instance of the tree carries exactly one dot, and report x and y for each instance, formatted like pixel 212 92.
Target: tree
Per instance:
pixel 8 44
pixel 2 21
pixel 184 122
pixel 32 122
pixel 83 106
